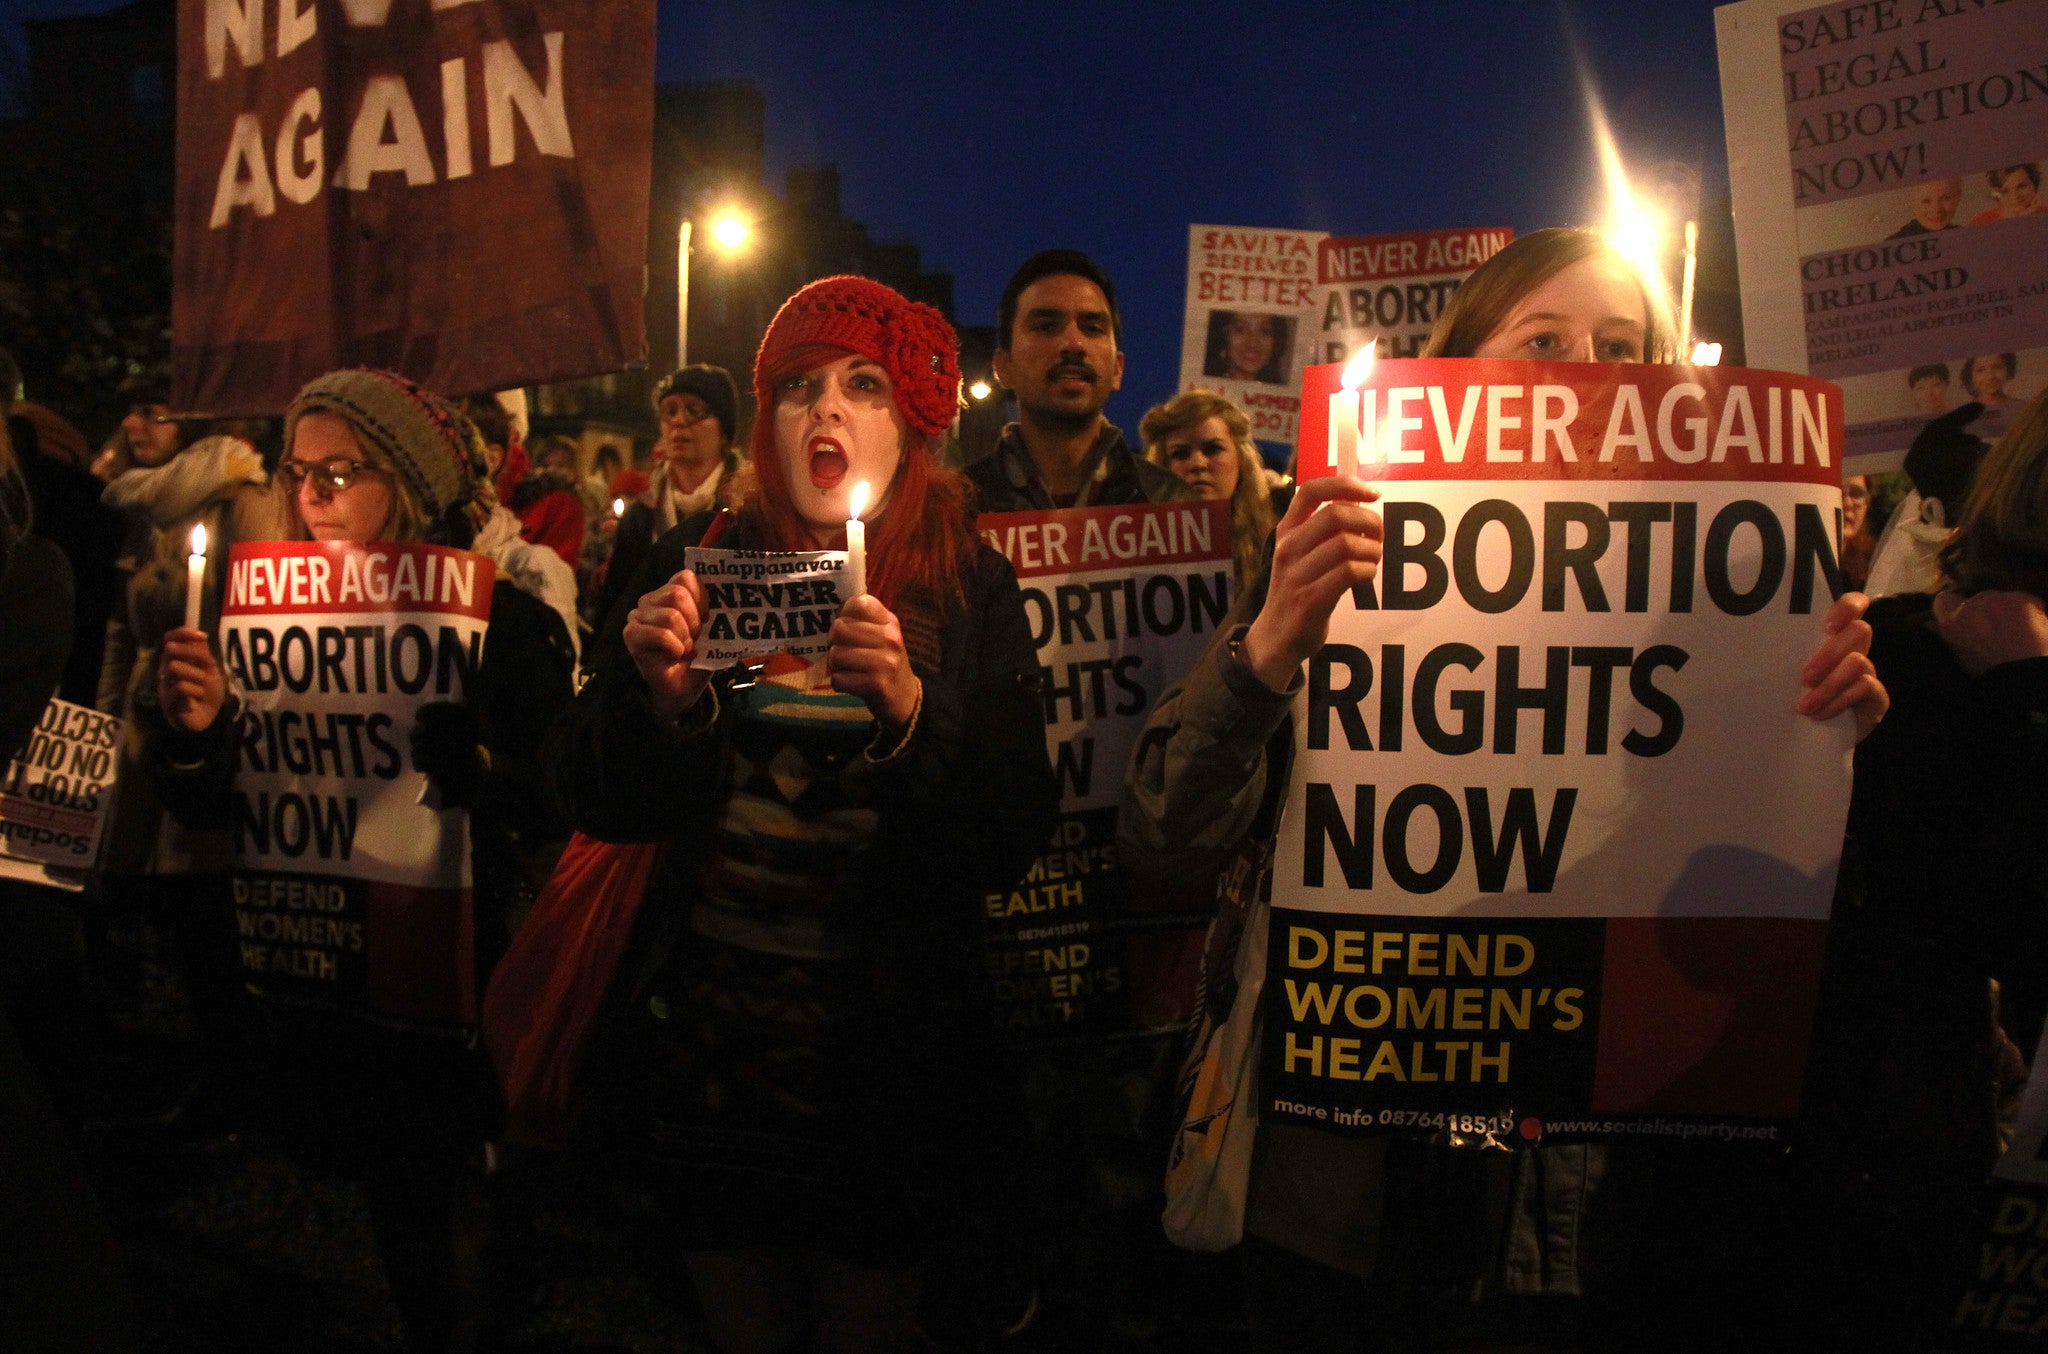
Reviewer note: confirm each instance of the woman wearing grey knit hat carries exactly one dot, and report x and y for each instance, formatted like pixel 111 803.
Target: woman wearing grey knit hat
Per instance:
pixel 370 456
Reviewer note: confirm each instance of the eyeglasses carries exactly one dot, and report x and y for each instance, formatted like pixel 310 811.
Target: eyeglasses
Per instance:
pixel 329 477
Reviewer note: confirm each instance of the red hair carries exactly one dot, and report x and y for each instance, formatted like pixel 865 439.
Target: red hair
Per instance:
pixel 923 539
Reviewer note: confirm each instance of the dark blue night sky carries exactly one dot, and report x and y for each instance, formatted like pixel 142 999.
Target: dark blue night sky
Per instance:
pixel 984 133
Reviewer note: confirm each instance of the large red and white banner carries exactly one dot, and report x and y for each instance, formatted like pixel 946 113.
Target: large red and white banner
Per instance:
pixel 353 886
pixel 454 191
pixel 1558 854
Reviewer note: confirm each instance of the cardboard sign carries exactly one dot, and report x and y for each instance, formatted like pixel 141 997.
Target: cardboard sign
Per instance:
pixel 1999 1300
pixel 457 192
pixel 1557 854
pixel 54 800
pixel 353 887
pixel 1389 290
pixel 758 603
pixel 1250 293
pixel 1886 169
pixel 1121 601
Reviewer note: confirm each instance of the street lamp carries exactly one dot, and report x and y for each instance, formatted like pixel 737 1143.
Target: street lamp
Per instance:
pixel 731 231
pixel 981 390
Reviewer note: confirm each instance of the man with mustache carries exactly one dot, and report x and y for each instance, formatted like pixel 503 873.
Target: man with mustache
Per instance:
pixel 1091 1169
pixel 1057 351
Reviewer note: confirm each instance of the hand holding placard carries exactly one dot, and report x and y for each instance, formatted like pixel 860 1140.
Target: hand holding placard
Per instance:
pixel 1318 557
pixel 661 635
pixel 1840 675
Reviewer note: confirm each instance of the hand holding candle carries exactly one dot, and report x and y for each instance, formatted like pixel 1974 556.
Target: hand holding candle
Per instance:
pixel 195 576
pixel 857 542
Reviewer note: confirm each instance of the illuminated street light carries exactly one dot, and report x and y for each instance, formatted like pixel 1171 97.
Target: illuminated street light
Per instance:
pixel 731 230
pixel 981 390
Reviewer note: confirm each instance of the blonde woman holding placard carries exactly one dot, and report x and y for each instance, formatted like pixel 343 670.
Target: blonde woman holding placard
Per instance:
pixel 1350 1238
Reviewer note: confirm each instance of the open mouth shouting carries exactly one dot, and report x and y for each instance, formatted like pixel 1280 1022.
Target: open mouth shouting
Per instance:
pixel 828 464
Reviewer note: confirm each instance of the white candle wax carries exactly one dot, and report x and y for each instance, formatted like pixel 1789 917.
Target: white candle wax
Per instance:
pixel 1344 431
pixel 1345 420
pixel 857 542
pixel 195 576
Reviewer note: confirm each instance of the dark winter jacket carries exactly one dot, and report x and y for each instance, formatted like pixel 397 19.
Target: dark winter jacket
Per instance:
pixel 1006 480
pixel 1944 890
pixel 70 514
pixel 961 812
pixel 35 636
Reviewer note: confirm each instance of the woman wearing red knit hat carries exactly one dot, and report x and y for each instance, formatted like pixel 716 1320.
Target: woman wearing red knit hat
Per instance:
pixel 797 1054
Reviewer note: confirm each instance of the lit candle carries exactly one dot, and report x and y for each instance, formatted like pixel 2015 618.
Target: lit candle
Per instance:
pixel 618 507
pixel 195 576
pixel 857 541
pixel 1705 354
pixel 1344 411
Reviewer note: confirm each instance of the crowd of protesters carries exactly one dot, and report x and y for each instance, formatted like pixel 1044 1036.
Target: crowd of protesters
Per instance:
pixel 785 1046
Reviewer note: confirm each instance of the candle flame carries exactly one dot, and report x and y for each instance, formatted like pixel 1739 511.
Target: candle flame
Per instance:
pixel 1360 365
pixel 199 538
pixel 1705 354
pixel 1635 230
pixel 618 507
pixel 859 504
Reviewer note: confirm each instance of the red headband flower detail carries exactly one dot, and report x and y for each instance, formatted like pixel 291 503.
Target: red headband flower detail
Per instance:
pixel 912 342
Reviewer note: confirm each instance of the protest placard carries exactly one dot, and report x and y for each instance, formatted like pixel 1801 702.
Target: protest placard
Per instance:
pixel 352 888
pixel 54 800
pixel 454 191
pixel 1250 292
pixel 1999 1299
pixel 1389 289
pixel 758 603
pixel 1885 162
pixel 1121 601
pixel 1557 854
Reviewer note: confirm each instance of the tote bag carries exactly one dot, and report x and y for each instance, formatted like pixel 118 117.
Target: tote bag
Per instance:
pixel 548 989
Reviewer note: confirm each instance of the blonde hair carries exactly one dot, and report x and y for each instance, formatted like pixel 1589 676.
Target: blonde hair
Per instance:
pixel 2001 538
pixel 1251 506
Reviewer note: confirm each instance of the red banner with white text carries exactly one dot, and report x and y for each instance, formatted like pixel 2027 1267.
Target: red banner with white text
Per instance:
pixel 454 191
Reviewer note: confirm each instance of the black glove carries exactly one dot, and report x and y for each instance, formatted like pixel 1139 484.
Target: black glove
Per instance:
pixel 447 747
pixel 1943 461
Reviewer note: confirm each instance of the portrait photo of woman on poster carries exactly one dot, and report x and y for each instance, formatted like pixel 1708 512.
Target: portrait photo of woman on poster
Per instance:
pixel 1246 345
